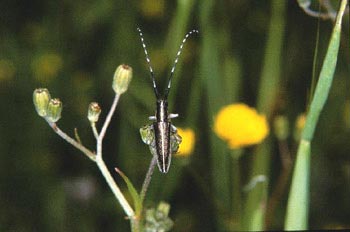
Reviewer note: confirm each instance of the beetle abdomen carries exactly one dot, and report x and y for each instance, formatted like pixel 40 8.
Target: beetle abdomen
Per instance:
pixel 162 142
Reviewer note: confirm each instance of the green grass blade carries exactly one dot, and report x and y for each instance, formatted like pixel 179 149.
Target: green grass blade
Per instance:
pixel 211 76
pixel 268 88
pixel 298 202
pixel 325 81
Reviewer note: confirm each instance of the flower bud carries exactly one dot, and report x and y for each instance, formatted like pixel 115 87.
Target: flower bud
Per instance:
pixel 94 112
pixel 158 219
pixel 299 126
pixel 281 127
pixel 122 78
pixel 41 99
pixel 54 110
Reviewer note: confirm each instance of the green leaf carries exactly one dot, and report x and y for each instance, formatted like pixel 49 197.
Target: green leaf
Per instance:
pixel 135 196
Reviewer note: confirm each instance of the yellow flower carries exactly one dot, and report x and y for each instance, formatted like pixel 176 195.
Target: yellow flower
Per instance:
pixel 187 144
pixel 240 125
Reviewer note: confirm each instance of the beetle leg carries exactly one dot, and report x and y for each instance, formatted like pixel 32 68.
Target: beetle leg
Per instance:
pixel 147 134
pixel 152 118
pixel 173 116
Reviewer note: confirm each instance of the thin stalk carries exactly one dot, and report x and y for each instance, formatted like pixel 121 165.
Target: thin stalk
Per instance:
pixel 70 140
pixel 94 130
pixel 102 166
pixel 106 123
pixel 115 189
pixel 148 178
pixel 236 201
pixel 98 158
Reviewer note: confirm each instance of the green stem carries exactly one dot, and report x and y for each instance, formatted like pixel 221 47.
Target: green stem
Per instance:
pixel 115 189
pixel 269 85
pixel 73 142
pixel 236 201
pixel 99 161
pixel 106 124
pixel 94 130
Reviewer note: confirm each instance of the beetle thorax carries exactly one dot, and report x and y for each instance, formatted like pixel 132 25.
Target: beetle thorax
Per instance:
pixel 162 110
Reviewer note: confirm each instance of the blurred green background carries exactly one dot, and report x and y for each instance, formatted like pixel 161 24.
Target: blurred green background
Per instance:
pixel 73 47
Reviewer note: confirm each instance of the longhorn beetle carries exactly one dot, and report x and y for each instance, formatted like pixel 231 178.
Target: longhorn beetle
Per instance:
pixel 161 135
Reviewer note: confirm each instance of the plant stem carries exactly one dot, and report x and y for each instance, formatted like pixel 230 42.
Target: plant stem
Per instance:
pixel 268 87
pixel 98 158
pixel 105 125
pixel 148 178
pixel 236 201
pixel 102 166
pixel 70 140
pixel 115 189
pixel 94 130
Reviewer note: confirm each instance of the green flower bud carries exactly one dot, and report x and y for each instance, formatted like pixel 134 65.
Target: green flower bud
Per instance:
pixel 54 110
pixel 163 208
pixel 41 99
pixel 281 127
pixel 122 78
pixel 94 112
pixel 158 219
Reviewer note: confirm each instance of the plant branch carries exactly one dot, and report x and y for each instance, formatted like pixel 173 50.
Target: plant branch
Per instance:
pixel 70 140
pixel 114 187
pixel 106 124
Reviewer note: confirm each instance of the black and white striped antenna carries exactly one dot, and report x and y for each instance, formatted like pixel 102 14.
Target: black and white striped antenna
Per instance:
pixel 166 93
pixel 167 89
pixel 149 64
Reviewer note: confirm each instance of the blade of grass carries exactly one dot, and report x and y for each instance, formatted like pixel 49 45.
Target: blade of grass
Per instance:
pixel 298 201
pixel 267 96
pixel 211 78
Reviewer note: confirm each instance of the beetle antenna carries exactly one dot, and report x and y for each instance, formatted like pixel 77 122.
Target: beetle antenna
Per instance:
pixel 149 63
pixel 176 60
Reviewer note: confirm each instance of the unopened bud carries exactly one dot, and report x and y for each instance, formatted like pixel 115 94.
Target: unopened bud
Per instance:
pixel 94 112
pixel 122 78
pixel 41 99
pixel 299 126
pixel 281 127
pixel 163 208
pixel 54 110
pixel 158 219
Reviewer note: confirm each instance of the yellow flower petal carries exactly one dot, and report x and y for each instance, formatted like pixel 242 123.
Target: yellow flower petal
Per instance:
pixel 240 125
pixel 188 141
